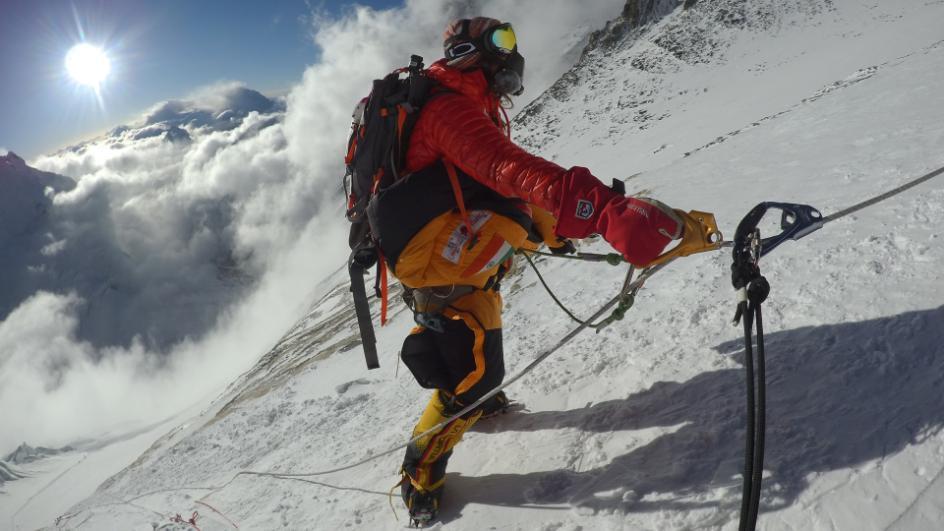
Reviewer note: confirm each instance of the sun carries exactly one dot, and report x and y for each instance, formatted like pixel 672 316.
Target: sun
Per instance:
pixel 87 64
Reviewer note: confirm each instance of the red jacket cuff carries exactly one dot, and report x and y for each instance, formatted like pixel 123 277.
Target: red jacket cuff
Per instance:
pixel 583 197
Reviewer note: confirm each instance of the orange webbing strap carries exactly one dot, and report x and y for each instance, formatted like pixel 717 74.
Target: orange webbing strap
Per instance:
pixel 382 274
pixel 351 149
pixel 377 178
pixel 401 120
pixel 457 192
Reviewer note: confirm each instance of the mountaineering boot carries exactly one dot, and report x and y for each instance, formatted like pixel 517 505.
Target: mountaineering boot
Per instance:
pixel 424 465
pixel 495 405
pixel 423 503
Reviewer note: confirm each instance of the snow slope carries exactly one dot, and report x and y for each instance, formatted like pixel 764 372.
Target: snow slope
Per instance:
pixel 641 426
pixel 50 484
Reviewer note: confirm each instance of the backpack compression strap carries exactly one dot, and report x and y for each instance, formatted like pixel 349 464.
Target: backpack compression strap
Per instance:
pixel 460 201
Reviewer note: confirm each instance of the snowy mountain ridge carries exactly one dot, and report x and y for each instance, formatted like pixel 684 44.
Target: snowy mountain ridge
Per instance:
pixel 641 426
pixel 53 222
pixel 27 454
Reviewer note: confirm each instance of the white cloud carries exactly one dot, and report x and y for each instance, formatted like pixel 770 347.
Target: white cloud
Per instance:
pixel 194 238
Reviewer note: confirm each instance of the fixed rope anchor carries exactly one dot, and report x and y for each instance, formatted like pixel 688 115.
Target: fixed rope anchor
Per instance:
pixel 796 221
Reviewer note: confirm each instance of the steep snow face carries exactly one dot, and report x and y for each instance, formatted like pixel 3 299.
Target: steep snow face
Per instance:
pixel 641 426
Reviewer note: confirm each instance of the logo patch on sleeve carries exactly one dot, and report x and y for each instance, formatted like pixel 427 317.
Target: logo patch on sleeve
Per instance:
pixel 584 209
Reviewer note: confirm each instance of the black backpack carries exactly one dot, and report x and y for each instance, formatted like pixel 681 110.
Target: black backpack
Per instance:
pixel 380 136
pixel 379 139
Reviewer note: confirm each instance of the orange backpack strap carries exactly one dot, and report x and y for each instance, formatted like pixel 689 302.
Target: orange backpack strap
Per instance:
pixel 460 201
pixel 382 277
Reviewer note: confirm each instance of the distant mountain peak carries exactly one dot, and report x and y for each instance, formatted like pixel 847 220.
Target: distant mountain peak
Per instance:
pixel 27 454
pixel 11 159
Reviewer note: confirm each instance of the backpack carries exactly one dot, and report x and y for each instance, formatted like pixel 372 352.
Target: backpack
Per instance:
pixel 376 152
pixel 380 136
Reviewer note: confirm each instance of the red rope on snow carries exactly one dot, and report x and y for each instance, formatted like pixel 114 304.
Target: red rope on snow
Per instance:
pixel 177 519
pixel 210 507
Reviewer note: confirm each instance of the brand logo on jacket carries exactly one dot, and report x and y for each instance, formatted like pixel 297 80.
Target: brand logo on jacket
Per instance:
pixel 584 209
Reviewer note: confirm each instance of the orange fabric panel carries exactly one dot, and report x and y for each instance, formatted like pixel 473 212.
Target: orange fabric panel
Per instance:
pixel 439 254
pixel 546 224
pixel 485 306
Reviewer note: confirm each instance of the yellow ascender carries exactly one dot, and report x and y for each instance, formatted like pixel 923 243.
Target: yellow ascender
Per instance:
pixel 701 234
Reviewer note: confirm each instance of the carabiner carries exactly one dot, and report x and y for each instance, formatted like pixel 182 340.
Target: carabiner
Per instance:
pixel 796 221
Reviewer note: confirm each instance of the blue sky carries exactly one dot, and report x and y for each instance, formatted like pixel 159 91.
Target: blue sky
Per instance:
pixel 159 50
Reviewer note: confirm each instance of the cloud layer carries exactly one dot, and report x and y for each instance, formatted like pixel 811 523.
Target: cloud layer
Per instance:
pixel 192 239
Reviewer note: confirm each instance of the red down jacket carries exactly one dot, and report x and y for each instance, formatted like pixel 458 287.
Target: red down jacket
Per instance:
pixel 464 127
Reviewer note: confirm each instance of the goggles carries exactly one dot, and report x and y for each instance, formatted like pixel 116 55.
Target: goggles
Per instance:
pixel 499 40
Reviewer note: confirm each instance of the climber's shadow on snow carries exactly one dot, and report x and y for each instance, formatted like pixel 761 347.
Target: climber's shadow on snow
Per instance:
pixel 838 396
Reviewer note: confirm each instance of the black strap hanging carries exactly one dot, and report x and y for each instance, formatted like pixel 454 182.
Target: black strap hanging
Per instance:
pixel 362 258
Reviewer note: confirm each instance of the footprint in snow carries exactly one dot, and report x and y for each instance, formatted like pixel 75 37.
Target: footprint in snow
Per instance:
pixel 343 388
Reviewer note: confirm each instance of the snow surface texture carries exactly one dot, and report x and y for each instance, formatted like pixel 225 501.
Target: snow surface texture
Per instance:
pixel 641 426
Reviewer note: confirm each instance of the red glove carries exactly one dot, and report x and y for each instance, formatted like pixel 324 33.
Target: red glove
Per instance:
pixel 639 228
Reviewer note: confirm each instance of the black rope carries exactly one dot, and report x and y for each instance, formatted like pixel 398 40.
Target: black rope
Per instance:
pixel 626 298
pixel 610 258
pixel 747 489
pixel 551 292
pixel 756 389
pixel 761 430
pixel 752 289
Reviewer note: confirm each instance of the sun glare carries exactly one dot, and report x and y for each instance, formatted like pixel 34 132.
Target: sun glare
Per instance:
pixel 87 64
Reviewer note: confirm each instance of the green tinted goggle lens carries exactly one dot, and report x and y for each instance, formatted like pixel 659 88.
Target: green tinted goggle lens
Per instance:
pixel 503 39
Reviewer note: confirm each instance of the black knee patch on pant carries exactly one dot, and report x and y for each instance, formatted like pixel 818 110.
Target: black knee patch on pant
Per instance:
pixel 442 360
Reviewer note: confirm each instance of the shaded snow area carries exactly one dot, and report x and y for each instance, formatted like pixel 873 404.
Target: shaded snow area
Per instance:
pixel 715 107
